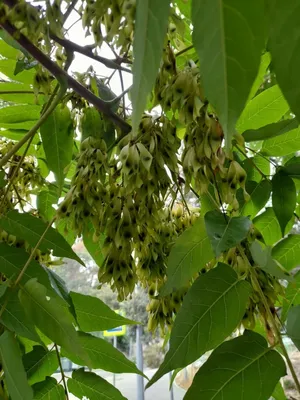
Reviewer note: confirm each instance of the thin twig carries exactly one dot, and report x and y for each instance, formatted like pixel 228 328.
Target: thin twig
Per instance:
pixel 123 91
pixel 62 372
pixel 69 10
pixel 252 162
pixel 261 155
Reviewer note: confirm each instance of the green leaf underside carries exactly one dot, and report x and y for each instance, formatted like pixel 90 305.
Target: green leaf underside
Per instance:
pixel 268 225
pixel 241 368
pixel 225 233
pixel 190 253
pixel 15 375
pixel 51 315
pixel 103 355
pixel 229 61
pixel 48 390
pixel 259 197
pixel 292 297
pixel 270 130
pixel 94 248
pixel 57 137
pixel 293 325
pixel 287 252
pixel 278 393
pixel 150 30
pixel 282 145
pixel 266 108
pixel 94 315
pixel 39 364
pixel 92 386
pixel 29 228
pixel 211 310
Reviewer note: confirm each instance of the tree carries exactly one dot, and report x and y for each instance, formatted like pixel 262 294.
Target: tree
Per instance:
pixel 212 115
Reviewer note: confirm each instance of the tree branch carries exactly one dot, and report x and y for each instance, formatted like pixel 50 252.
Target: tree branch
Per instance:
pixel 61 76
pixel 87 51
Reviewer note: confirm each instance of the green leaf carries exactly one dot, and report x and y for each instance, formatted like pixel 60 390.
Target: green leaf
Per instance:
pixel 6 50
pixel 210 311
pixel 57 136
pixel 103 355
pixel 291 298
pixel 12 261
pixel 260 162
pixel 293 325
pixel 15 319
pixel 87 384
pixel 241 368
pixel 30 228
pixel 263 258
pixel 59 285
pixel 229 53
pixel 268 226
pixel 7 67
pixel 94 315
pixel 93 247
pixel 278 393
pixel 283 145
pixel 284 45
pixel 21 93
pixel 270 130
pixel 50 313
pixel 17 134
pixel 91 123
pixel 39 363
pixel 259 197
pixel 287 252
pixel 15 375
pixel 266 108
pixel 225 233
pixel 283 198
pixel 15 114
pixel 48 390
pixel 150 29
pixel 190 253
pixel 184 7
pixel 45 200
pixel 259 80
pixel 292 167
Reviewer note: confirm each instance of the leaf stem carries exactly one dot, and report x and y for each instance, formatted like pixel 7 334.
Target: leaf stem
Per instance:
pixel 184 50
pixel 35 128
pixel 252 162
pixel 63 377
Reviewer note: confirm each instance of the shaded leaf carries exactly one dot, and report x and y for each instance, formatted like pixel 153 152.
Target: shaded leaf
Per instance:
pixel 48 390
pixel 225 233
pixel 45 200
pixel 51 315
pixel 282 145
pixel 91 123
pixel 7 67
pixel 244 367
pixel 15 375
pixel 228 36
pixel 263 258
pixel 190 253
pixel 93 247
pixel 103 355
pixel 150 30
pixel 284 46
pixel 293 325
pixel 30 228
pixel 210 311
pixel 15 319
pixel 59 285
pixel 252 173
pixel 292 167
pixel 57 136
pixel 270 130
pixel 266 108
pixel 12 261
pixel 87 384
pixel 259 197
pixel 287 252
pixel 268 225
pixel 291 298
pixel 94 315
pixel 39 364
pixel 283 198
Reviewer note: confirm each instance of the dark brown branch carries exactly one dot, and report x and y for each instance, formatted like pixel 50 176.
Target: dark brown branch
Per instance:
pixel 87 51
pixel 69 10
pixel 61 75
